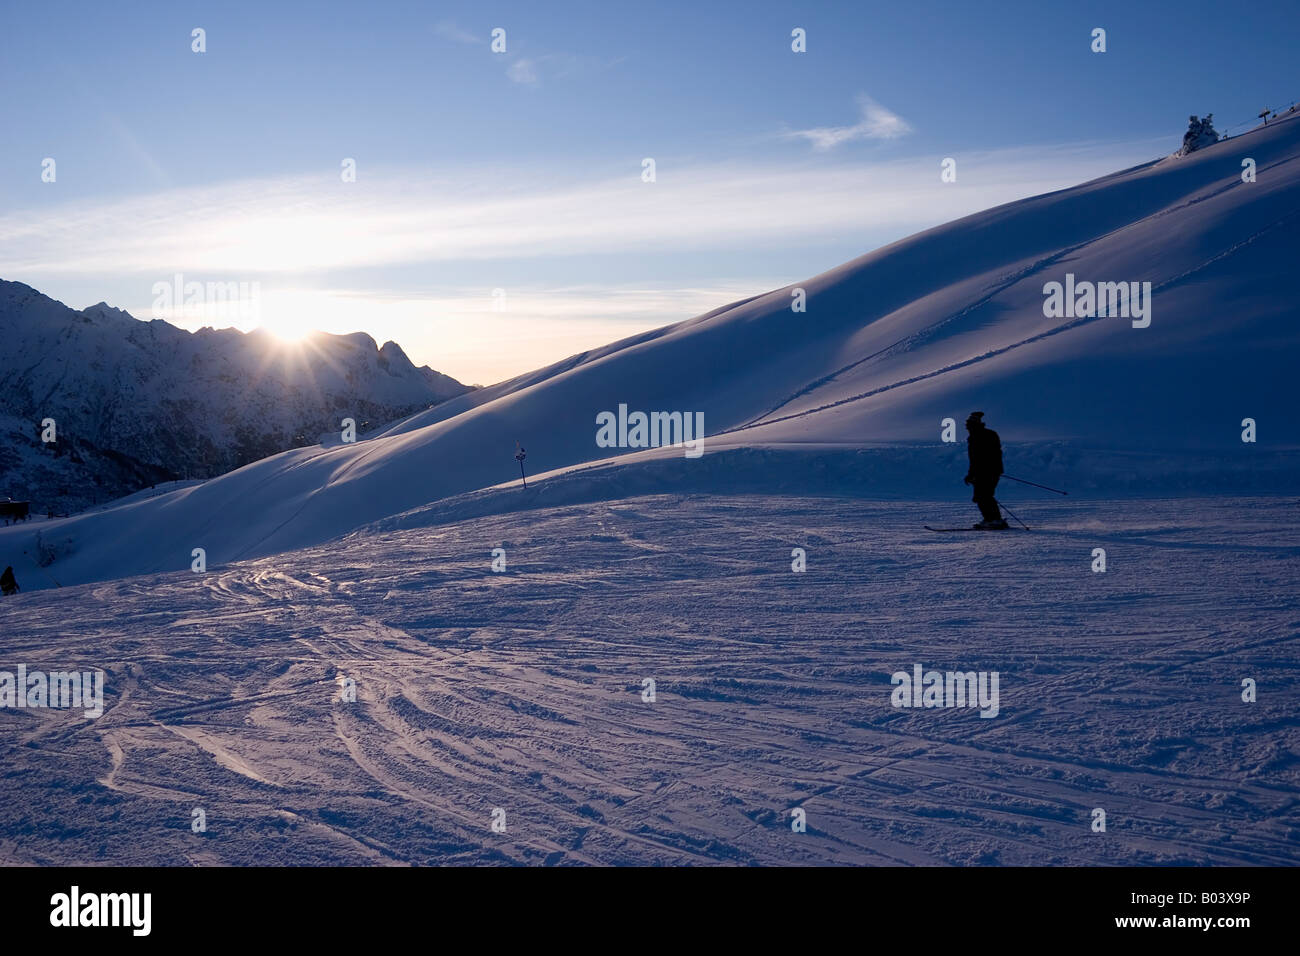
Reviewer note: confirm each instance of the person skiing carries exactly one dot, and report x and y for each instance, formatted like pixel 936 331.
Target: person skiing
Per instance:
pixel 8 584
pixel 985 451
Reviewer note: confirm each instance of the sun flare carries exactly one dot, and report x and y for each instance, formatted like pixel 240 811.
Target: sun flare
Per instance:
pixel 288 328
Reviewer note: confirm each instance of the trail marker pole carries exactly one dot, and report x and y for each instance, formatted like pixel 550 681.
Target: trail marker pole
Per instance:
pixel 519 457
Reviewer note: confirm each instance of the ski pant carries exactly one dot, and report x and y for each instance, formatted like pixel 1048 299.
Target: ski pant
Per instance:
pixel 983 496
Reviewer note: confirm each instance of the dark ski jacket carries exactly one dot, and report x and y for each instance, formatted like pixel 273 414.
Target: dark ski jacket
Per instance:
pixel 985 451
pixel 8 585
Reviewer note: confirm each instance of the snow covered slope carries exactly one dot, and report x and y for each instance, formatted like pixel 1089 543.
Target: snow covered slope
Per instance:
pixel 197 403
pixel 931 327
pixel 523 690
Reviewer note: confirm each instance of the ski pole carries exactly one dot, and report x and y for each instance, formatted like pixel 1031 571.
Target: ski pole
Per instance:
pixel 1010 512
pixel 1036 485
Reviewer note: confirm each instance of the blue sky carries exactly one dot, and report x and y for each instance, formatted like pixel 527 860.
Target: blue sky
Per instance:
pixel 521 171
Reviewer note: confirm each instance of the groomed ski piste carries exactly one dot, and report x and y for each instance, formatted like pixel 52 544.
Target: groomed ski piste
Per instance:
pixel 645 678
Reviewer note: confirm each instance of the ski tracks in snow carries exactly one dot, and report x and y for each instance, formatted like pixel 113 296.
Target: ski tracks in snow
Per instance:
pixel 522 692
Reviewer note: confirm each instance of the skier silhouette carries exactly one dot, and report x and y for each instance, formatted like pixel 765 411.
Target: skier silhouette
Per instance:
pixel 985 451
pixel 8 584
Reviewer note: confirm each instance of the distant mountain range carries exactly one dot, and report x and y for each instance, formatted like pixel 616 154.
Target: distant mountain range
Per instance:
pixel 137 402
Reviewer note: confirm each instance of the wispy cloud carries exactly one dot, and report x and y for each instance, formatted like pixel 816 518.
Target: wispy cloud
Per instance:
pixel 395 216
pixel 529 70
pixel 523 71
pixel 875 122
pixel 450 31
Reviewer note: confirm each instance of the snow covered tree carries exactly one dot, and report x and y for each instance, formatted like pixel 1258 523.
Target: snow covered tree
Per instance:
pixel 1200 132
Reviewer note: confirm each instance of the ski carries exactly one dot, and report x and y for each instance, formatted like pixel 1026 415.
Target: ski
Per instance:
pixel 1008 528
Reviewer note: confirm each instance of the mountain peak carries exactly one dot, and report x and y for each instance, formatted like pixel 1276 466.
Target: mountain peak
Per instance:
pixel 102 310
pixel 178 402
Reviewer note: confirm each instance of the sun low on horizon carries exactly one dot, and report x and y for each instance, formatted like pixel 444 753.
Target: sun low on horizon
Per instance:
pixel 288 316
pixel 288 328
